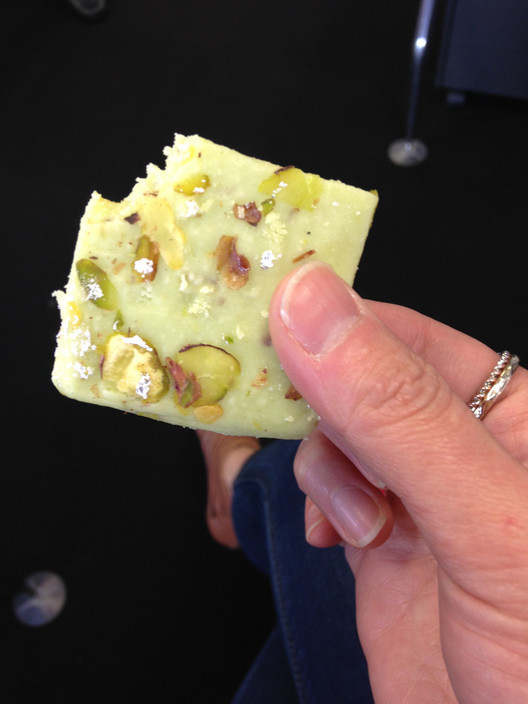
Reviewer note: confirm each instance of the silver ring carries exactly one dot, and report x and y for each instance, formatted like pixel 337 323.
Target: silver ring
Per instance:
pixel 494 385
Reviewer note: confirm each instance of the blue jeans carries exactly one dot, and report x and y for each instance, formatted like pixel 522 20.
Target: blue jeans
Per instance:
pixel 313 656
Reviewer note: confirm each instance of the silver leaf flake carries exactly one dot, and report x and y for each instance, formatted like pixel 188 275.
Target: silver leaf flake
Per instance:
pixel 267 259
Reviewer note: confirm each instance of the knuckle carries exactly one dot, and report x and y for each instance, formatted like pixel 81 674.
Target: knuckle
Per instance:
pixel 313 463
pixel 398 393
pixel 304 464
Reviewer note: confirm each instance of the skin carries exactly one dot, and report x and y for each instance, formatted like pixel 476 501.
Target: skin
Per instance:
pixel 440 552
pixel 224 457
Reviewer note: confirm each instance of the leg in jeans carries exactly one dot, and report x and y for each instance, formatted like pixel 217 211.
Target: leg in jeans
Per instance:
pixel 314 655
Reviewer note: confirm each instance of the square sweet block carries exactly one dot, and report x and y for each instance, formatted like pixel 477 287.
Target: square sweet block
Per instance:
pixel 165 310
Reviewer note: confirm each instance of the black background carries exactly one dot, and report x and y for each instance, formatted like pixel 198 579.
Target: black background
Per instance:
pixel 115 504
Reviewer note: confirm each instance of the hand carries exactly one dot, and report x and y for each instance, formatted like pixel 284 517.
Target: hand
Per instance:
pixel 443 593
pixel 224 457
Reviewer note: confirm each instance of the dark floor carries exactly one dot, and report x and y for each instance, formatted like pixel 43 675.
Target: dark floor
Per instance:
pixel 113 503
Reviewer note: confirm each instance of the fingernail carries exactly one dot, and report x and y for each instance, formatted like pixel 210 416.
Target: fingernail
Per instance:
pixel 318 308
pixel 313 518
pixel 358 515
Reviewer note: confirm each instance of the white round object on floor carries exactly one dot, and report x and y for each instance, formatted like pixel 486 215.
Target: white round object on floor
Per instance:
pixel 41 600
pixel 407 152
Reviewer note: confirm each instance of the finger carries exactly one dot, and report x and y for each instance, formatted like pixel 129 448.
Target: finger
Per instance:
pixel 319 531
pixel 392 414
pixel 224 457
pixel 332 481
pixel 464 363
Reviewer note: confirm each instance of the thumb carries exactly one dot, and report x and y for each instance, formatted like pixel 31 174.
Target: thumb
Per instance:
pixel 393 415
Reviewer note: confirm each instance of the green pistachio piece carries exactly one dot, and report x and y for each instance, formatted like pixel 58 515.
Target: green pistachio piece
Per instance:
pixel 192 185
pixel 203 374
pixel 118 323
pixel 97 286
pixel 293 186
pixel 267 205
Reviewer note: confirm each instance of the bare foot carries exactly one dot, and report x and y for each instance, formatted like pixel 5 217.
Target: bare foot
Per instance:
pixel 224 457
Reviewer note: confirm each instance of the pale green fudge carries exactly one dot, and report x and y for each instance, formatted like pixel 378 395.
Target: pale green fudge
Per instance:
pixel 165 313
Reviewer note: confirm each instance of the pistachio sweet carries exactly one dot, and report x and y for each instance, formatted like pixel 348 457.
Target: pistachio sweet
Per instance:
pixel 193 254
